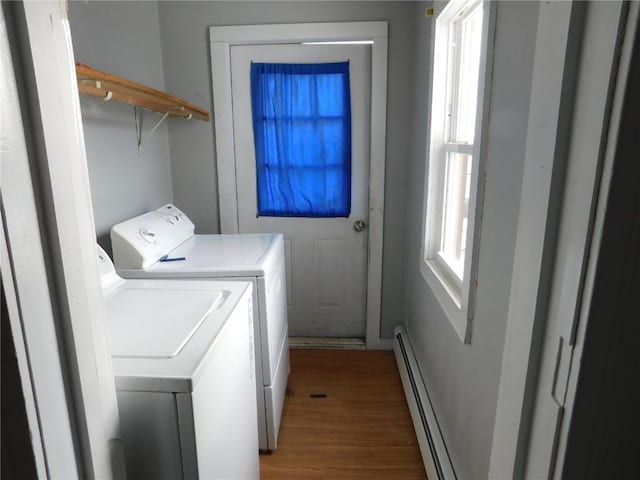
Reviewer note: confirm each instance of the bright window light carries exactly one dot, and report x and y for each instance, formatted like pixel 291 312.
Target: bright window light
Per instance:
pixel 341 42
pixel 461 37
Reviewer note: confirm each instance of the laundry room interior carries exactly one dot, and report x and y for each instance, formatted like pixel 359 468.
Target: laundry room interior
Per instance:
pixel 393 339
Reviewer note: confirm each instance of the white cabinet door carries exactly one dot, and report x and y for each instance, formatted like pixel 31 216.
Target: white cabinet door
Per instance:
pixel 326 257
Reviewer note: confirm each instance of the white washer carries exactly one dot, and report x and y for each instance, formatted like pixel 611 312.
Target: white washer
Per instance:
pixel 183 362
pixel 140 243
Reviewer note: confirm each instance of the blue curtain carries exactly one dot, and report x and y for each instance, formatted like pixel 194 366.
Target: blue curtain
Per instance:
pixel 302 131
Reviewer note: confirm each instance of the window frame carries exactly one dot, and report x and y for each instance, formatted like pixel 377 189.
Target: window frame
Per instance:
pixel 455 296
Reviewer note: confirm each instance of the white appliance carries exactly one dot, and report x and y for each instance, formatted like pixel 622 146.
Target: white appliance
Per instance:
pixel 162 244
pixel 183 364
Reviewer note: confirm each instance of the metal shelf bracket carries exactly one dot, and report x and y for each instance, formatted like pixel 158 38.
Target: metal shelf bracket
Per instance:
pixel 138 119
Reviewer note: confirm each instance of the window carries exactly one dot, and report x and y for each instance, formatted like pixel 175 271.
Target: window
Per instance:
pixel 458 90
pixel 302 132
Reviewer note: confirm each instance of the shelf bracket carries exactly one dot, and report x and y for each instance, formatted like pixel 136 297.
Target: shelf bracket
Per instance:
pixel 138 118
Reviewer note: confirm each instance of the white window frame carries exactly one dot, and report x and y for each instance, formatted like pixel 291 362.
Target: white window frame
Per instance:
pixel 456 297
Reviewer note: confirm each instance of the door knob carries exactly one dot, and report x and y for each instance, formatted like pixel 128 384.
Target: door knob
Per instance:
pixel 359 225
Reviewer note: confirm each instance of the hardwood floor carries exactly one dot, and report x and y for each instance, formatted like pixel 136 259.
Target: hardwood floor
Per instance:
pixel 345 416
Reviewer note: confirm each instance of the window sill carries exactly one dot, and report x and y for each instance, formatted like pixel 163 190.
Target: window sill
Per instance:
pixel 448 299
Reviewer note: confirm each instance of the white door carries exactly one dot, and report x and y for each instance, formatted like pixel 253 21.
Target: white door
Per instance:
pixel 326 257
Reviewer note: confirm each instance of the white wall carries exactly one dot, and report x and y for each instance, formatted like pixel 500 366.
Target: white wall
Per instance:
pixel 122 38
pixel 186 54
pixel 462 379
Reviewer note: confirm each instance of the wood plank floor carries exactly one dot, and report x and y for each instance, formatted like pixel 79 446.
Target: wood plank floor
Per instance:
pixel 361 428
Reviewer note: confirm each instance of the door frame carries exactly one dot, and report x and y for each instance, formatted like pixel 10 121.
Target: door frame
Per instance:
pixel 554 139
pixel 47 251
pixel 222 39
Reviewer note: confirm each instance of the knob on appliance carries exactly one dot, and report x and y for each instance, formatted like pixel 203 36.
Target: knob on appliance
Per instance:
pixel 147 236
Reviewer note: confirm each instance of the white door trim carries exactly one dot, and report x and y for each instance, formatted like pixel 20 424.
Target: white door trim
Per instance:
pixel 620 87
pixel 55 301
pixel 222 39
pixel 552 253
pixel 558 38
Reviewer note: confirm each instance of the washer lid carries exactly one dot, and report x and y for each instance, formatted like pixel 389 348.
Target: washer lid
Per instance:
pixel 228 255
pixel 156 322
pixel 245 250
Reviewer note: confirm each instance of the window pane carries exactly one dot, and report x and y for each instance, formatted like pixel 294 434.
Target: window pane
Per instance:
pixel 467 38
pixel 455 208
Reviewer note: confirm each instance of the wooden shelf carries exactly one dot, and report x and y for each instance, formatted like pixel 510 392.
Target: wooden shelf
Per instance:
pixel 110 87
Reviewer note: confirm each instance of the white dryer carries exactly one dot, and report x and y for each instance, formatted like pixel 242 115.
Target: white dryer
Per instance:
pixel 162 244
pixel 183 364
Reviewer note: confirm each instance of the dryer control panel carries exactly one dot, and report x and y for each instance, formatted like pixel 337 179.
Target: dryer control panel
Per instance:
pixel 141 241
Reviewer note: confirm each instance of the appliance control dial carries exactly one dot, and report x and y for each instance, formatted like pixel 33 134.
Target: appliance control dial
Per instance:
pixel 147 235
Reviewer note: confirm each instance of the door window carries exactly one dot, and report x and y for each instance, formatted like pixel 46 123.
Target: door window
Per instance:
pixel 302 132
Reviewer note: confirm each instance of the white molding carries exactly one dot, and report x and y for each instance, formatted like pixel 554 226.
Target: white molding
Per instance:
pixel 25 373
pixel 621 90
pixel 324 343
pixel 51 244
pixel 24 276
pixel 621 85
pixel 555 63
pixel 593 120
pixel 225 145
pixel 447 297
pixel 340 343
pixel 222 39
pixel 377 149
pixel 297 32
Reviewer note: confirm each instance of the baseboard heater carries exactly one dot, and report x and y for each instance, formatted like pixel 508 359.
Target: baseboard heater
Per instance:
pixel 437 462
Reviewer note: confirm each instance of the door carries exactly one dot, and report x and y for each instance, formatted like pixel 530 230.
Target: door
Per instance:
pixel 326 257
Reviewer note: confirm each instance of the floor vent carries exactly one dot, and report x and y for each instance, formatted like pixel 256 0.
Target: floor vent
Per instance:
pixel 436 459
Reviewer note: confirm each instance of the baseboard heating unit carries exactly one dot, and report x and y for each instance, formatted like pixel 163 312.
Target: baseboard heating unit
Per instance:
pixel 434 453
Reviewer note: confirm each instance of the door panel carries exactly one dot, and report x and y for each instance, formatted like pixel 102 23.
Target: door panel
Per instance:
pixel 326 257
pixel 329 257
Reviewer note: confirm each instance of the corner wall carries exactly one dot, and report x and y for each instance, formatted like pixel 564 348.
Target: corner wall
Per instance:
pixel 463 380
pixel 122 38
